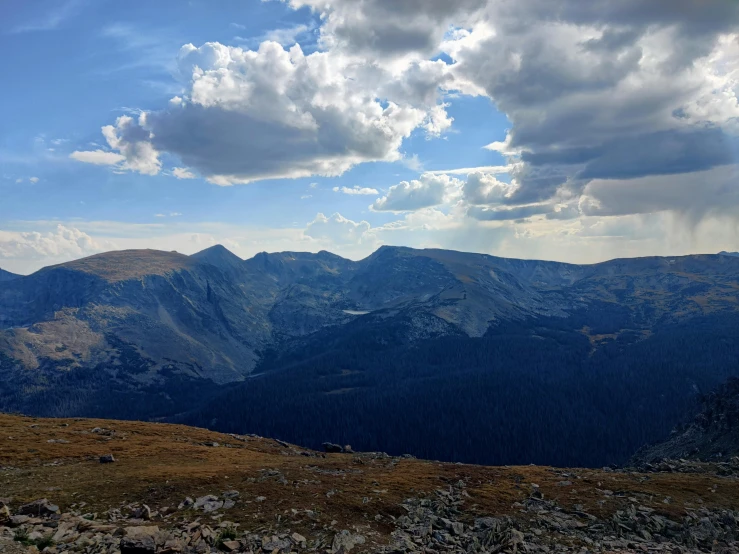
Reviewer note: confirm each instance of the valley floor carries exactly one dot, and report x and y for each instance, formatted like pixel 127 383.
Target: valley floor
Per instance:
pixel 335 502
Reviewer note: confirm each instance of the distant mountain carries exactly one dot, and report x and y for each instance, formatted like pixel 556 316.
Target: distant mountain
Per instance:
pixel 444 354
pixel 712 436
pixel 222 258
pixel 725 253
pixel 7 275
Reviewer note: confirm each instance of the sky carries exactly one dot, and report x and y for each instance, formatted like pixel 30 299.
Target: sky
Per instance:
pixel 549 129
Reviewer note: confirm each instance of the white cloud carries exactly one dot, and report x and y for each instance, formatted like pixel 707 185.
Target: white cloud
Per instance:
pixel 276 113
pixel 356 190
pixel 491 169
pixel 64 242
pixel 592 91
pixel 34 180
pixel 426 191
pixel 482 188
pixel 183 173
pixel 97 157
pixel 133 141
pixel 337 229
pixel 287 36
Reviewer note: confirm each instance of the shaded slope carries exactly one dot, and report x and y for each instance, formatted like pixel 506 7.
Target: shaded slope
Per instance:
pixel 142 323
pixel 7 275
pixel 712 435
pixel 531 392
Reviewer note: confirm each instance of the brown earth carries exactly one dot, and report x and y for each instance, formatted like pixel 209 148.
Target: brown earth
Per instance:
pixel 161 464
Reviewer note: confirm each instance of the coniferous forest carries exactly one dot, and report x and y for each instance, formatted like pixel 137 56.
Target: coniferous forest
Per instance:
pixel 530 393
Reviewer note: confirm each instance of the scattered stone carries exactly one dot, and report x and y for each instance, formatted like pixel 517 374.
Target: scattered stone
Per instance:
pixel 231 546
pixel 4 513
pixel 332 448
pixel 139 540
pixel 107 459
pixel 208 503
pixel 38 508
pixel 144 512
pixel 344 541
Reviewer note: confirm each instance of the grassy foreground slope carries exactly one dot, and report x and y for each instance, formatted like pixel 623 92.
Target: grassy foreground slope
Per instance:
pixel 284 488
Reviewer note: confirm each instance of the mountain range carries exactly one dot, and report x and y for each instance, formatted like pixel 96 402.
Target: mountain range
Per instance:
pixel 443 354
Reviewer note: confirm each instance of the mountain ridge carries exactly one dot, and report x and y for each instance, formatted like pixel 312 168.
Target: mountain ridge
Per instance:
pixel 150 334
pixel 7 275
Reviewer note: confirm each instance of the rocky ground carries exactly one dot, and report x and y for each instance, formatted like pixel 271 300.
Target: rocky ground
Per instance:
pixel 84 486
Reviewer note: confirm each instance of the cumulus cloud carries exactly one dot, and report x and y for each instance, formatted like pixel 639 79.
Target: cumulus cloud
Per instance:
pixel 356 190
pixel 481 188
pixel 133 141
pixel 276 113
pixel 426 191
pixel 337 229
pixel 385 28
pixel 596 90
pixel 61 243
pixel 604 91
pixel 604 99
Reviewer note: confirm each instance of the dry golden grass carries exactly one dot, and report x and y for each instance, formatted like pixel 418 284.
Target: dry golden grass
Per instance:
pixel 122 265
pixel 162 464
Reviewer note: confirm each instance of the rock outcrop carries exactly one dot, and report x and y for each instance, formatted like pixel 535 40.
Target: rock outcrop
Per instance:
pixel 712 436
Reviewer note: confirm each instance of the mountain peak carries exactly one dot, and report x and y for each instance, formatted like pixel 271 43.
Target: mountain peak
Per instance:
pixel 215 249
pixel 219 256
pixel 121 265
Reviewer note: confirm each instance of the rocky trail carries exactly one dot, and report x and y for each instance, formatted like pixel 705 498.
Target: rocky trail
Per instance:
pixel 113 487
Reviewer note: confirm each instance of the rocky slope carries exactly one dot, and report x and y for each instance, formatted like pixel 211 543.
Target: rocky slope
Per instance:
pixel 175 489
pixel 712 436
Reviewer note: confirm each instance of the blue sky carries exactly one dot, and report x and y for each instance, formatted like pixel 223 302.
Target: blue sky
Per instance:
pixel 301 125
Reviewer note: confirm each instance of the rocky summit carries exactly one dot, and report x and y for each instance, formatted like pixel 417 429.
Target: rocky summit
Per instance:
pixel 175 489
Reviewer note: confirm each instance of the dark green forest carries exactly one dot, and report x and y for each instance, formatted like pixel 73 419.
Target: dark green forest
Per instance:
pixel 534 392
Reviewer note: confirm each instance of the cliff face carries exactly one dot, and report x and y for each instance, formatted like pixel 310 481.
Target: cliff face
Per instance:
pixel 712 436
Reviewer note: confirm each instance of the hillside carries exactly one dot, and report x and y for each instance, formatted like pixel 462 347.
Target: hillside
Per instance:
pixel 446 355
pixel 713 434
pixel 7 275
pixel 257 494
